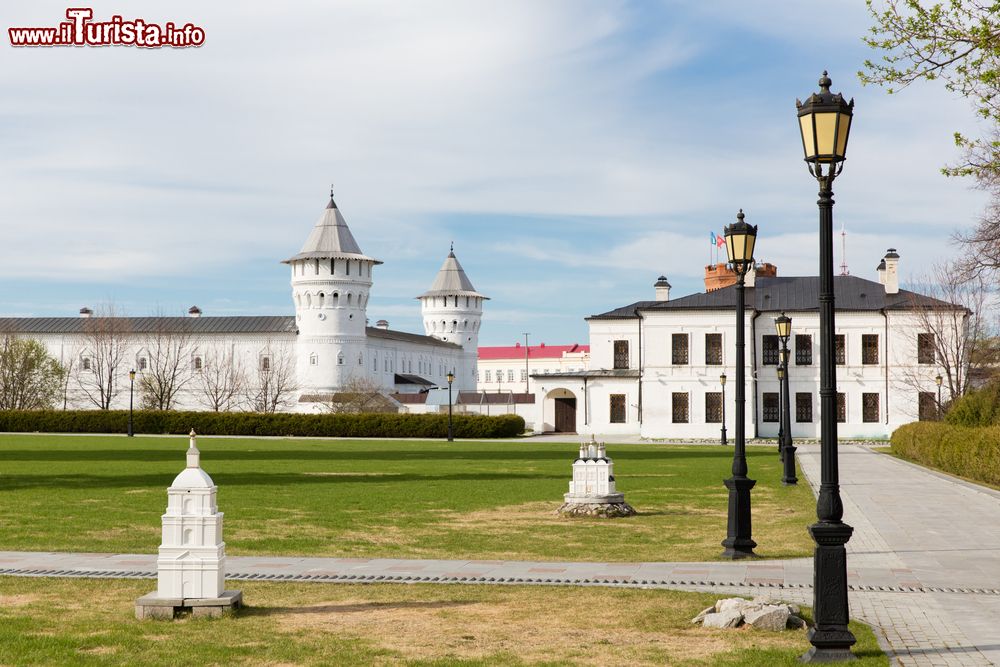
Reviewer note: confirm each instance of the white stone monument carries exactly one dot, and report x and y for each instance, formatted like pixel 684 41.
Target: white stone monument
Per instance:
pixel 592 491
pixel 191 568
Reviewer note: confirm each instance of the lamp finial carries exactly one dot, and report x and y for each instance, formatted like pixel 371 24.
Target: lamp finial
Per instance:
pixel 825 83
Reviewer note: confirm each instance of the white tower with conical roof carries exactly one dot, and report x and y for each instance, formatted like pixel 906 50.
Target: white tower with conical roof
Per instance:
pixel 331 280
pixel 452 311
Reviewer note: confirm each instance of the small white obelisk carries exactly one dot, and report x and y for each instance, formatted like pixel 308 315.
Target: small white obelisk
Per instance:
pixel 192 560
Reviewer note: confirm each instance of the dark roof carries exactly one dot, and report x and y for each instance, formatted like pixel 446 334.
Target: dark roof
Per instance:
pixel 261 324
pixel 403 378
pixel 789 294
pixel 375 332
pixel 284 324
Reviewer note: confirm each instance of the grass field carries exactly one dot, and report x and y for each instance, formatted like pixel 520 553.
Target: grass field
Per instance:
pixel 90 622
pixel 372 498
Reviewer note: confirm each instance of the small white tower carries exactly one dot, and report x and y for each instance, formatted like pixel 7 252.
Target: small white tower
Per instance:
pixel 452 310
pixel 592 491
pixel 331 279
pixel 192 562
pixel 191 567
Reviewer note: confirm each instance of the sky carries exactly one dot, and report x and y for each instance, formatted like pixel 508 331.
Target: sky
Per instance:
pixel 572 150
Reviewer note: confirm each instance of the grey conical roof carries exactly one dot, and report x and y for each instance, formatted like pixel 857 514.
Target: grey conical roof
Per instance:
pixel 331 238
pixel 451 280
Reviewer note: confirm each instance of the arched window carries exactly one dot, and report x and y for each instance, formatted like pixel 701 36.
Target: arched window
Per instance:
pixel 196 364
pixel 466 302
pixel 332 265
pixel 265 363
pixel 309 300
pixel 316 266
pixel 454 325
pixel 340 358
pixel 456 301
pixel 142 363
pixel 350 298
pixel 322 297
pixel 313 359
pixel 336 299
pixel 347 263
pixel 85 363
pixel 361 359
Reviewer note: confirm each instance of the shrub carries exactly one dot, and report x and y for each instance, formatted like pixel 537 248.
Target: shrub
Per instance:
pixel 246 423
pixel 977 408
pixel 960 450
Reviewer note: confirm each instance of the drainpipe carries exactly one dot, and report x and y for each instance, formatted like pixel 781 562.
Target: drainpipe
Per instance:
pixel 586 405
pixel 753 367
pixel 886 316
pixel 640 368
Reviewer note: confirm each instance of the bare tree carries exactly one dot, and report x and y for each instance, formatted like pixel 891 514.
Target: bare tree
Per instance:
pixel 69 365
pixel 359 394
pixel 222 382
pixel 106 338
pixel 958 329
pixel 30 379
pixel 170 364
pixel 274 385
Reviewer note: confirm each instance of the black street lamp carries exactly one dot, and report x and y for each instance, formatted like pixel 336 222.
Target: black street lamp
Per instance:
pixel 722 383
pixel 131 387
pixel 783 325
pixel 781 406
pixel 825 123
pixel 938 380
pixel 451 378
pixel 740 240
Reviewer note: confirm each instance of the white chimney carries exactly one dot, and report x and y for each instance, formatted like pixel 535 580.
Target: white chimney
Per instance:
pixel 751 278
pixel 891 271
pixel 881 272
pixel 662 288
pixel 382 324
pixel 194 311
pixel 86 312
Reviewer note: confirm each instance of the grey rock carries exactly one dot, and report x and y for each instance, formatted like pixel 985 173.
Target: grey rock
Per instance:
pixel 701 616
pixel 731 604
pixel 723 619
pixel 795 623
pixel 770 617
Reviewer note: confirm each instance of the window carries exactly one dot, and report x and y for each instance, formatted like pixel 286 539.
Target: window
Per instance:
pixel 621 354
pixel 196 364
pixel 340 358
pixel 869 348
pixel 925 348
pixel 85 362
pixel 679 349
pixel 713 407
pixel 265 364
pixel 713 349
pixel 803 350
pixel 927 406
pixel 488 376
pixel 803 407
pixel 839 349
pixel 679 404
pixel 524 375
pixel 841 407
pixel 510 375
pixel 143 364
pixel 361 358
pixel 770 407
pixel 617 408
pixel 869 408
pixel 313 360
pixel 769 353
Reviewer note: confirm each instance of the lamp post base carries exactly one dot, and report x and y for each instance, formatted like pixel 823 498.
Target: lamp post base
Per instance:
pixel 788 458
pixel 831 639
pixel 738 543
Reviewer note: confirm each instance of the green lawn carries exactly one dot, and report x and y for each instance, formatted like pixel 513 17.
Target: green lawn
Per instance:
pixel 384 498
pixel 91 622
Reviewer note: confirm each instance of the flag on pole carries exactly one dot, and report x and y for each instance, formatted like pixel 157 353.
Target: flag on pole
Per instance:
pixel 719 240
pixel 714 242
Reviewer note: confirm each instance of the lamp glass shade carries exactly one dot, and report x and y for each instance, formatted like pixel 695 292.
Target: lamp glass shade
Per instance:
pixel 783 325
pixel 938 380
pixel 825 124
pixel 131 375
pixel 722 379
pixel 451 378
pixel 740 241
pixel 781 372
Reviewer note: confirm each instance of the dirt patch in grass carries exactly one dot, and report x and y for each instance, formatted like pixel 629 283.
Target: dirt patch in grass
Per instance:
pixel 533 630
pixel 16 600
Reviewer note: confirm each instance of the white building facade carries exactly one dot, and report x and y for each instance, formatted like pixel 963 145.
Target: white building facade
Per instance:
pixel 655 366
pixel 325 347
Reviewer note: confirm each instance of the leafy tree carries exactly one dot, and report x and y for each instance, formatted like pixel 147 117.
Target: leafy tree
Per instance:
pixel 29 378
pixel 957 42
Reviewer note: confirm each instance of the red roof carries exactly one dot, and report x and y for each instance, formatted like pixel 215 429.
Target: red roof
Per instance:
pixel 542 351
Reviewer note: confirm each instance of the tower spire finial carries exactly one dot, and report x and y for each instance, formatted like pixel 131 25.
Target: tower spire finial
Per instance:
pixel 452 248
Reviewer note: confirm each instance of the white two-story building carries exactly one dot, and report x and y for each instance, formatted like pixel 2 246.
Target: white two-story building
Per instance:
pixel 655 365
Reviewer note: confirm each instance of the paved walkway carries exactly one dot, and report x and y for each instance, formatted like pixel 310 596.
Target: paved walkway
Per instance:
pixel 924 564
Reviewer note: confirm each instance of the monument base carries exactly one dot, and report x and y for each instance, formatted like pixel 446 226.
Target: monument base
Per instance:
pixel 611 506
pixel 151 606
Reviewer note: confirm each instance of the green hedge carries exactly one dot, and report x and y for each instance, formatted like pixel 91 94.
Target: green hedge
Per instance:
pixel 969 452
pixel 977 408
pixel 247 423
